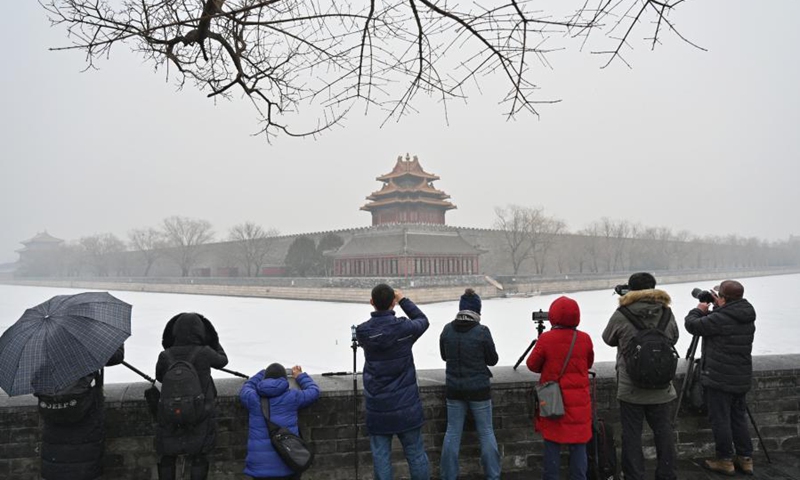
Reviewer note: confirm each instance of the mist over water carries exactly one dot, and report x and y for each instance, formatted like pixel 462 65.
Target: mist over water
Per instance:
pixel 316 335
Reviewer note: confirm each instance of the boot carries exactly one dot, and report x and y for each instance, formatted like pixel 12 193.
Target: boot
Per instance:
pixel 743 464
pixel 199 470
pixel 720 465
pixel 166 471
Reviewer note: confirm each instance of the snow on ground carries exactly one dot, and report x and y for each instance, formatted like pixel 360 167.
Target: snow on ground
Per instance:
pixel 316 335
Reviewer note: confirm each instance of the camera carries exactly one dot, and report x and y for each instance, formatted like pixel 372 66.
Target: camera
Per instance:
pixel 539 317
pixel 703 296
pixel 622 289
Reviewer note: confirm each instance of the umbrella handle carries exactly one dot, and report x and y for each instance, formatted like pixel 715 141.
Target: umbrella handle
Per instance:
pixel 142 374
pixel 233 372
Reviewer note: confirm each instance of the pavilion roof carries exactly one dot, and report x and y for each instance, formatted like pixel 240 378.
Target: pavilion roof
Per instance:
pixel 386 202
pixel 407 167
pixel 42 237
pixel 392 188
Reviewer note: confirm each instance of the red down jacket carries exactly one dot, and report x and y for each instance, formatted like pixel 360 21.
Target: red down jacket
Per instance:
pixel 548 358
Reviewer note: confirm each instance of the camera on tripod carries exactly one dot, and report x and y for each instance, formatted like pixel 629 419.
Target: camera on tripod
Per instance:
pixel 538 318
pixel 704 296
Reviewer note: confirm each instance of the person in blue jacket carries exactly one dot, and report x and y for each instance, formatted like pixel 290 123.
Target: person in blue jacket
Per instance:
pixel 262 461
pixel 393 405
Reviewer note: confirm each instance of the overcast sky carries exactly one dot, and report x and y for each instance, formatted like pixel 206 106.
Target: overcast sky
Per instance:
pixel 702 141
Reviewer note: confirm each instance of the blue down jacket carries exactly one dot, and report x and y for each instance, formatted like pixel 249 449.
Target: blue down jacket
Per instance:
pixel 262 460
pixel 390 380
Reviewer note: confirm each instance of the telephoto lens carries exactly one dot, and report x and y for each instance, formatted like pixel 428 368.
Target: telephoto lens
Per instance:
pixel 703 295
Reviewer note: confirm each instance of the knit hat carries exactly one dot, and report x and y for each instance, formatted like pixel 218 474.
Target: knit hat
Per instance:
pixel 641 281
pixel 275 370
pixel 565 312
pixel 470 301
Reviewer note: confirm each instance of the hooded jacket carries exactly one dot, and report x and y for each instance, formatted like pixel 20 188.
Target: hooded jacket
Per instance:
pixel 262 460
pixel 468 348
pixel 391 394
pixel 647 305
pixel 190 336
pixel 727 333
pixel 547 359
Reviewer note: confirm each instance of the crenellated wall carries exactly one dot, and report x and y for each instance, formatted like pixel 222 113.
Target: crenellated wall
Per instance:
pixel 774 402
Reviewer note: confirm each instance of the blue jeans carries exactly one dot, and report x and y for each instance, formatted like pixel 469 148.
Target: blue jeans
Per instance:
pixel 578 462
pixel 727 413
pixel 413 448
pixel 490 455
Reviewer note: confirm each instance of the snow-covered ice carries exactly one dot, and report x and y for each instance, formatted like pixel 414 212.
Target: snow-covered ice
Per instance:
pixel 316 335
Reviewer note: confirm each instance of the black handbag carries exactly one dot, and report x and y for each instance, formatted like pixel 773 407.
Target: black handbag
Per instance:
pixel 293 450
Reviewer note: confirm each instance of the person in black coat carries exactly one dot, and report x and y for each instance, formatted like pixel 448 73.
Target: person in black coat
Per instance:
pixel 727 373
pixel 74 450
pixel 189 336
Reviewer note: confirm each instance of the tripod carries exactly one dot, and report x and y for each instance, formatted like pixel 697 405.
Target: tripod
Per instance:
pixel 538 317
pixel 354 346
pixel 690 353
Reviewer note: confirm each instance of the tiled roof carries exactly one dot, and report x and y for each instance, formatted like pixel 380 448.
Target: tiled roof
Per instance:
pixel 42 237
pixel 407 167
pixel 406 241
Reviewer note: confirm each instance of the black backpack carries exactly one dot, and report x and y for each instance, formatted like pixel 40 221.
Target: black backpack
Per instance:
pixel 182 401
pixel 71 404
pixel 292 449
pixel 650 357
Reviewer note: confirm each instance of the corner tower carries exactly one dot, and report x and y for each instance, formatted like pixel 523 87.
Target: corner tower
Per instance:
pixel 408 196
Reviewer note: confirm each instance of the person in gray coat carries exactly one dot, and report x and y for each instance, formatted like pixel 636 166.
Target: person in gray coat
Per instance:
pixel 636 404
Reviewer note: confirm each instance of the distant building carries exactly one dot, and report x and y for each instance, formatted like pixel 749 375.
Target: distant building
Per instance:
pixel 408 236
pixel 408 196
pixel 39 256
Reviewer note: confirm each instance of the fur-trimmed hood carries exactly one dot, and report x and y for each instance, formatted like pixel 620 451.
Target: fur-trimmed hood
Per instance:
pixel 649 295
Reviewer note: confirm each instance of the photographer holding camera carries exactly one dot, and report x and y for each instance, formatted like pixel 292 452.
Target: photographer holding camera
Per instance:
pixel 726 373
pixel 649 308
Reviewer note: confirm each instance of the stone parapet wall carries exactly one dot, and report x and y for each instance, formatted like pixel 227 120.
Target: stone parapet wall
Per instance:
pixel 328 424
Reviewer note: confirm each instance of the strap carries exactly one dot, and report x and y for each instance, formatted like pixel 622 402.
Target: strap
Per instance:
pixel 265 411
pixel 569 354
pixel 662 324
pixel 636 321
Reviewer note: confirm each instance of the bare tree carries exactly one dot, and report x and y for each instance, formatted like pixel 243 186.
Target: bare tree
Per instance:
pixel 186 236
pixel 543 233
pixel 252 245
pixel 514 222
pixel 149 242
pixel 100 251
pixel 321 58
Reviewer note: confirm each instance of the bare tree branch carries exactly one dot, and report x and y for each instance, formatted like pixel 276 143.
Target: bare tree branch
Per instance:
pixel 303 64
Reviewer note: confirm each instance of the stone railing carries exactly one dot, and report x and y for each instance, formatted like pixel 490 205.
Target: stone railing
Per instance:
pixel 328 424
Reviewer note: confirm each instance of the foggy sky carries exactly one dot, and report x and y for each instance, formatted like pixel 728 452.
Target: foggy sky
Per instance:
pixel 702 141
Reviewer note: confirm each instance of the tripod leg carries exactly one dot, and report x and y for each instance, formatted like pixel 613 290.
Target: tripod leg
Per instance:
pixel 758 434
pixel 525 354
pixel 687 379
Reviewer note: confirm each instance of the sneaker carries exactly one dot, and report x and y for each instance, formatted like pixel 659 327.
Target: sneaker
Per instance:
pixel 743 464
pixel 720 465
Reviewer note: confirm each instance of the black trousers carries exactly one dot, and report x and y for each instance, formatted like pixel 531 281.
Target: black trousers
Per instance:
pixel 632 416
pixel 727 413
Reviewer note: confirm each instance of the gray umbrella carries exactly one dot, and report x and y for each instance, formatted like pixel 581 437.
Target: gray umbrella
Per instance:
pixel 55 343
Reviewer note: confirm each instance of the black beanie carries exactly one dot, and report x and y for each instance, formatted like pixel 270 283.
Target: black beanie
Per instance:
pixel 641 281
pixel 470 301
pixel 275 370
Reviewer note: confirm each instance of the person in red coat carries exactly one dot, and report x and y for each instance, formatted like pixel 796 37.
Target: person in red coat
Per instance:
pixel 574 428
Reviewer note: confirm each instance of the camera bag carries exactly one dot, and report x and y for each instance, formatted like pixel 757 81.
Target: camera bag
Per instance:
pixel 650 356
pixel 549 401
pixel 292 449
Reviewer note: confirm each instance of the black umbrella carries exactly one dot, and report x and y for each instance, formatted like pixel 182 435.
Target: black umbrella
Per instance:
pixel 54 344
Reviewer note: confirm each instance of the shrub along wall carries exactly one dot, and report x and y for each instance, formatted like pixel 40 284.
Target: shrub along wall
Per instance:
pixel 774 402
